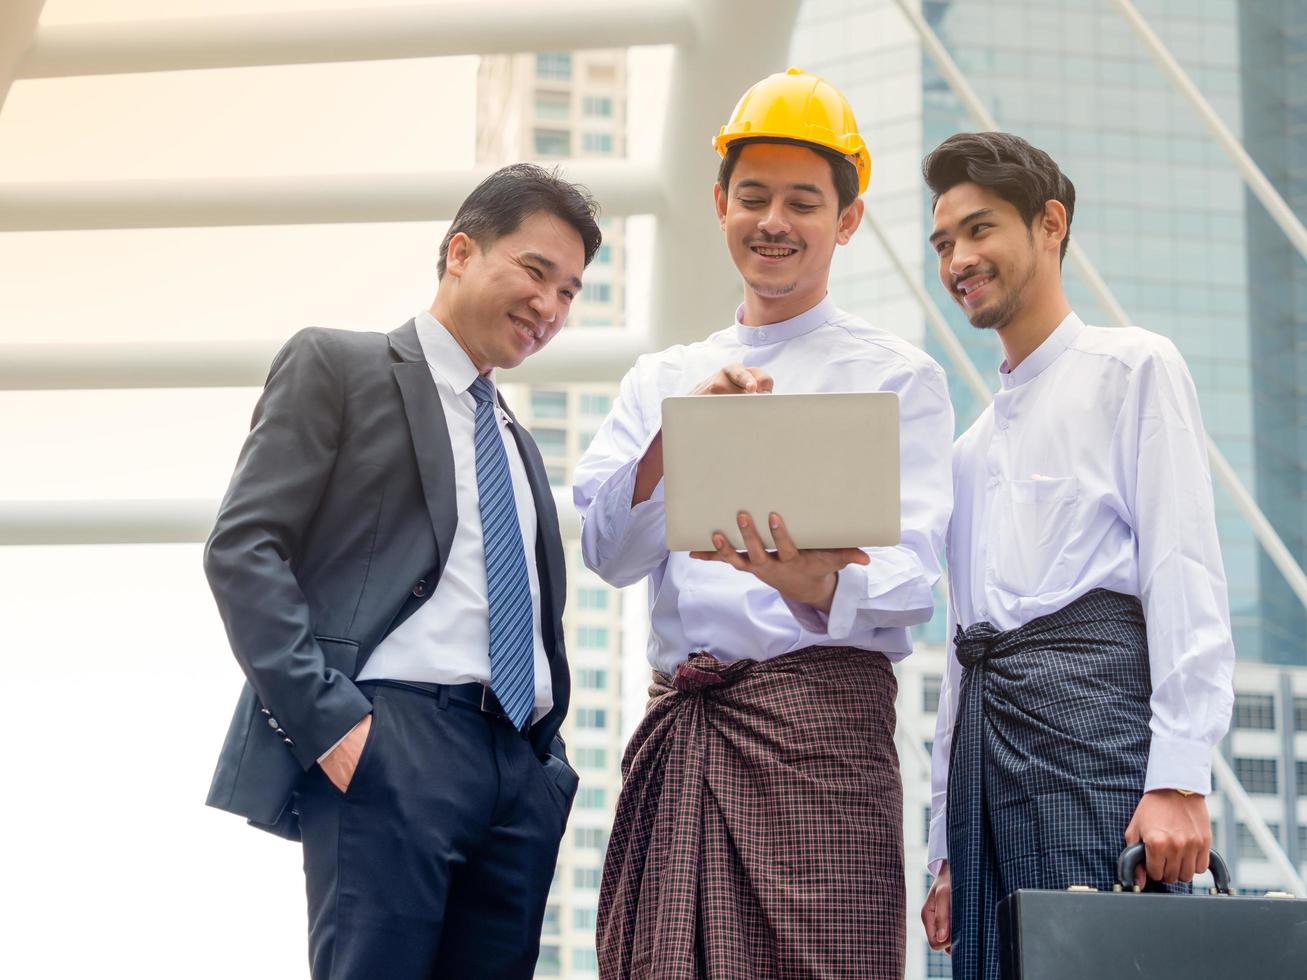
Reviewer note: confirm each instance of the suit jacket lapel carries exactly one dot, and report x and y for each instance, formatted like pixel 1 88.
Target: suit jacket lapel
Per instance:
pixel 430 434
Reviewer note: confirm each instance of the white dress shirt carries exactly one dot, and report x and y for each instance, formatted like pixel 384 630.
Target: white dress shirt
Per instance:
pixel 711 607
pixel 1090 471
pixel 447 641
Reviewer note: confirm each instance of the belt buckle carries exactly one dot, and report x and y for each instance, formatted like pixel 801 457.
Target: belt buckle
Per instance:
pixel 486 709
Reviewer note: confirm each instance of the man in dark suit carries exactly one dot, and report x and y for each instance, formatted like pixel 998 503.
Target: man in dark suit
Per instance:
pixel 388 566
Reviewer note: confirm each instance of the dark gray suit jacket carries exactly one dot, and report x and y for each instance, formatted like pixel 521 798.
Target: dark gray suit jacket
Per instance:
pixel 335 529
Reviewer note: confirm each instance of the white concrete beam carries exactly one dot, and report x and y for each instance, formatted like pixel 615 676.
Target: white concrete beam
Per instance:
pixel 578 354
pixel 696 286
pixel 365 34
pixel 51 522
pixel 18 20
pixel 622 188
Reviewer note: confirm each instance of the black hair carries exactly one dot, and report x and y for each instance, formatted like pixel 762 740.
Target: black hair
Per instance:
pixel 500 203
pixel 1023 175
pixel 843 173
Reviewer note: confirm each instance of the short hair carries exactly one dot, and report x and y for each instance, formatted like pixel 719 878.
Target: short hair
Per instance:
pixel 1023 175
pixel 843 173
pixel 500 203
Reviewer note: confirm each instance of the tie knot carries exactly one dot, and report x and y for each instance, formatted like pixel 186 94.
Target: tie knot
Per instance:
pixel 482 390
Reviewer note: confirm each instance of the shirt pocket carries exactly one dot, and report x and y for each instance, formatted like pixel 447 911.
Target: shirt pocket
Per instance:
pixel 1036 520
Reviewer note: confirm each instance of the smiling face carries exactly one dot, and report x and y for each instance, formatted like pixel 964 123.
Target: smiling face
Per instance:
pixel 507 299
pixel 988 259
pixel 782 221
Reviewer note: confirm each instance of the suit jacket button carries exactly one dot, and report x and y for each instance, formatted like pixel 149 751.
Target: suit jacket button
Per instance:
pixel 420 589
pixel 272 722
pixel 265 711
pixel 288 741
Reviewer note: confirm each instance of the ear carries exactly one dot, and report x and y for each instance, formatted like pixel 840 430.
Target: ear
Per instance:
pixel 719 201
pixel 850 218
pixel 1053 225
pixel 461 249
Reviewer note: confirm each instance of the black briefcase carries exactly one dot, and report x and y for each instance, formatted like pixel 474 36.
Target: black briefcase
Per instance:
pixel 1084 933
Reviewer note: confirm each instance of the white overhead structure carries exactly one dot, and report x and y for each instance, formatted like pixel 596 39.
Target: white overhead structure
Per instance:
pixel 18 20
pixel 695 285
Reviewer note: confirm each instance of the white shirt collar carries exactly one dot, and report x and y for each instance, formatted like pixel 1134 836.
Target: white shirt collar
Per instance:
pixel 446 357
pixel 1042 356
pixel 774 333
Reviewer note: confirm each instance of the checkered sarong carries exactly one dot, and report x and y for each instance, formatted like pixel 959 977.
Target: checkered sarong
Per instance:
pixel 759 833
pixel 1049 756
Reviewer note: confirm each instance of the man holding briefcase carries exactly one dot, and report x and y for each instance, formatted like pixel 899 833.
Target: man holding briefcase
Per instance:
pixel 1092 665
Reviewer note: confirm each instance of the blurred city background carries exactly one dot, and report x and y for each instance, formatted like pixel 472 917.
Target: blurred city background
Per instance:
pixel 176 200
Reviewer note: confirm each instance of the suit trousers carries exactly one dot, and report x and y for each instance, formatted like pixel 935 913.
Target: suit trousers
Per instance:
pixel 436 861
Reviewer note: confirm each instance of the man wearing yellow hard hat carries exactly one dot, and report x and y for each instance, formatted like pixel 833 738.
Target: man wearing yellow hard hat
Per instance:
pixel 759 830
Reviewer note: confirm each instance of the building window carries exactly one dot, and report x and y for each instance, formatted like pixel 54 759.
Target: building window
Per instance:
pixel 592 798
pixel 930 685
pixel 592 598
pixel 1254 712
pixel 590 838
pixel 1300 714
pixel 552 142
pixel 585 918
pixel 1300 778
pixel 590 758
pixel 600 292
pixel 597 142
pixel 597 105
pixel 551 442
pixel 594 637
pixel 550 925
pixel 925 825
pixel 555 66
pixel 552 107
pixel 1258 775
pixel 585 960
pixel 557 475
pixel 591 718
pixel 938 963
pixel 548 964
pixel 604 256
pixel 599 405
pixel 1246 845
pixel 595 680
pixel 586 877
pixel 547 404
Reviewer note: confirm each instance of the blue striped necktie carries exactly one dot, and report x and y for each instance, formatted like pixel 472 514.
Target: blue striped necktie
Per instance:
pixel 512 645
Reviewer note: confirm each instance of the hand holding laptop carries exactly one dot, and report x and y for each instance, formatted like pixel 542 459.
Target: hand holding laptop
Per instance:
pixel 808 576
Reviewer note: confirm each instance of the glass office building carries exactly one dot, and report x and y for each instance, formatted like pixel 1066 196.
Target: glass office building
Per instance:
pixel 1161 211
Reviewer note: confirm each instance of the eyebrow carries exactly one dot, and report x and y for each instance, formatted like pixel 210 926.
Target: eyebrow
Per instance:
pixel 550 266
pixel 810 188
pixel 982 213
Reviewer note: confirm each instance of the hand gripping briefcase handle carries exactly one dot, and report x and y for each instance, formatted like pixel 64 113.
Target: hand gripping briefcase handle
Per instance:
pixel 1133 856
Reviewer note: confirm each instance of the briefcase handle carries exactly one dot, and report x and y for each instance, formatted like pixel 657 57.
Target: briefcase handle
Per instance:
pixel 1133 856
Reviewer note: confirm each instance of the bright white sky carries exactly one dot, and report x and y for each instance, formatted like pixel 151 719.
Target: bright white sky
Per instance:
pixel 119 675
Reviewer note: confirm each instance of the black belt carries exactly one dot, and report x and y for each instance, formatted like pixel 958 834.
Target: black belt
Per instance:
pixel 473 694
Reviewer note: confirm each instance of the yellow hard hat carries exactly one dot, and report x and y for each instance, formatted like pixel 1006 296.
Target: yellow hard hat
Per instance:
pixel 797 106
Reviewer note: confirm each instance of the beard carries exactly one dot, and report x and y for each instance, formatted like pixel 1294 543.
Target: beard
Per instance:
pixel 771 291
pixel 1007 306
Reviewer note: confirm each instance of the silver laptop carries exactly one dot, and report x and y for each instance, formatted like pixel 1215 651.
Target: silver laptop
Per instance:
pixel 828 464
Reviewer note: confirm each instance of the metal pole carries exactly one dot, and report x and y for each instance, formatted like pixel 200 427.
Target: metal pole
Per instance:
pixel 1252 174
